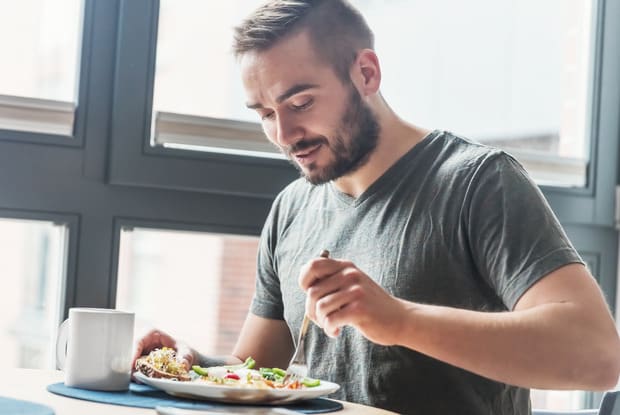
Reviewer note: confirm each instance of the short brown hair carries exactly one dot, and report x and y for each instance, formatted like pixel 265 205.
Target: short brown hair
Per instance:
pixel 337 30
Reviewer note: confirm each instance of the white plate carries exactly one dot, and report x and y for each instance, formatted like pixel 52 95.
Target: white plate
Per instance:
pixel 231 394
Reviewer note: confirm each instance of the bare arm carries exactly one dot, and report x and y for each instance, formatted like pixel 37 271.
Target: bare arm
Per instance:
pixel 560 334
pixel 268 341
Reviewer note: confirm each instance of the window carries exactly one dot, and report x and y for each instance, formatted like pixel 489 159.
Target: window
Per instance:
pixel 193 284
pixel 558 400
pixel 513 74
pixel 33 282
pixel 206 113
pixel 117 174
pixel 525 88
pixel 39 65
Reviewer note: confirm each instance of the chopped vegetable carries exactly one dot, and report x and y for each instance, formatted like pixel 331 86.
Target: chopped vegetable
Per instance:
pixel 273 374
pixel 248 364
pixel 279 372
pixel 201 371
pixel 244 375
pixel 311 383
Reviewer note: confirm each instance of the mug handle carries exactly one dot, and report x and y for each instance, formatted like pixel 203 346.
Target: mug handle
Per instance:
pixel 61 344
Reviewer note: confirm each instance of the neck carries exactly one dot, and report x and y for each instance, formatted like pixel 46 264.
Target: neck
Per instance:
pixel 396 138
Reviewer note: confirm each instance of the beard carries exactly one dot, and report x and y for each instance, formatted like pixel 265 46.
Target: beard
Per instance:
pixel 351 146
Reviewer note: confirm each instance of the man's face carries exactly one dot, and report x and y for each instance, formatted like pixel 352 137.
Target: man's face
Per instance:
pixel 323 126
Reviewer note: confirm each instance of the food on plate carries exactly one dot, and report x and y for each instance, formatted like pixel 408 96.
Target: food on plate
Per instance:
pixel 244 375
pixel 162 363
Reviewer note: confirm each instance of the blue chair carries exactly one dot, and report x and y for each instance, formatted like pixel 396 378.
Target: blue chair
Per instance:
pixel 610 405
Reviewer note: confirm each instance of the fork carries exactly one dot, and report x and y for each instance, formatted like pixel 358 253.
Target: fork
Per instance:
pixel 297 368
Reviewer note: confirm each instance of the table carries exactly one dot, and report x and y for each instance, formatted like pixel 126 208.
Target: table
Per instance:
pixel 30 385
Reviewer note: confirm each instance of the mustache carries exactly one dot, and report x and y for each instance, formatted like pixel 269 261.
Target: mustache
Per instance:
pixel 304 144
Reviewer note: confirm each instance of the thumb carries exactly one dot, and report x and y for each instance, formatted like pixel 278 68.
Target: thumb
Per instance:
pixel 186 356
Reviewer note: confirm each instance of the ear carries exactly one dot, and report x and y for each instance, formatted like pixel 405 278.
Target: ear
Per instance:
pixel 366 72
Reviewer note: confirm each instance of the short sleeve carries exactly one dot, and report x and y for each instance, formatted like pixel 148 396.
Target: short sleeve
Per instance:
pixel 267 300
pixel 514 235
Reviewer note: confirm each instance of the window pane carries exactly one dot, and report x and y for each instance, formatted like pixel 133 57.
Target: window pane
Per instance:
pixel 39 43
pixel 198 97
pixel 195 71
pixel 511 73
pixel 558 400
pixel 32 278
pixel 195 285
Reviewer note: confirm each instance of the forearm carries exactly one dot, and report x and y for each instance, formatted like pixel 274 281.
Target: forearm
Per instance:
pixel 209 361
pixel 555 345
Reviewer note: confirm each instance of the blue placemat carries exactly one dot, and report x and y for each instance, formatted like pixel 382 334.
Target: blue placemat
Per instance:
pixel 144 396
pixel 9 406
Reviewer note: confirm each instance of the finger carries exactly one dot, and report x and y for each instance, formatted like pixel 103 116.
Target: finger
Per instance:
pixel 318 269
pixel 309 273
pixel 134 379
pixel 187 363
pixel 327 285
pixel 344 316
pixel 321 289
pixel 186 356
pixel 341 281
pixel 335 303
pixel 154 339
pixel 309 311
pixel 139 347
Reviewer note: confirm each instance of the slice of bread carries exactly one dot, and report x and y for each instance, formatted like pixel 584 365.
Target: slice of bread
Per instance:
pixel 151 371
pixel 145 364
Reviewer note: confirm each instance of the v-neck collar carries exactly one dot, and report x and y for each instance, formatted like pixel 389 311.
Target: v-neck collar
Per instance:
pixel 392 173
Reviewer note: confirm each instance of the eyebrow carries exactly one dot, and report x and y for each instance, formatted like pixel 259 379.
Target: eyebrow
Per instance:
pixel 295 89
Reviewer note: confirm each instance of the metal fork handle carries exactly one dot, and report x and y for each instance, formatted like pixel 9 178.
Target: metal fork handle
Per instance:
pixel 306 321
pixel 305 324
pixel 300 355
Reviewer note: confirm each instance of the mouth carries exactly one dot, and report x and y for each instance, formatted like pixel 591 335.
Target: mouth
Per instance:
pixel 307 156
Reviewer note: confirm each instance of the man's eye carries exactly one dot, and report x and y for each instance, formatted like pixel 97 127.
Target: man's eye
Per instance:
pixel 267 115
pixel 303 106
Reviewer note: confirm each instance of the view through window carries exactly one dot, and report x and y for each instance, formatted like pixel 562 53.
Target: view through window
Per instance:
pixel 195 285
pixel 511 73
pixel 39 67
pixel 33 282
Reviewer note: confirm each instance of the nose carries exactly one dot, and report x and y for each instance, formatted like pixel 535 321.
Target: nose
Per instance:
pixel 287 130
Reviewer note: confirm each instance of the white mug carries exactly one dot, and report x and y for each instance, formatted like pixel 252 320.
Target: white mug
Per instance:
pixel 94 348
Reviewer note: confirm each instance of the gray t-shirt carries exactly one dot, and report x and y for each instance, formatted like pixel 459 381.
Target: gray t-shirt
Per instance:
pixel 451 223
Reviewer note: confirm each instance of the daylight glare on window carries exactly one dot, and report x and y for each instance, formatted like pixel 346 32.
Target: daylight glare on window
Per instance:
pixel 515 74
pixel 42 61
pixel 33 258
pixel 200 277
pixel 39 69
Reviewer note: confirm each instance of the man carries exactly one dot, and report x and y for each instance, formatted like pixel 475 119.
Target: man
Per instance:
pixel 451 287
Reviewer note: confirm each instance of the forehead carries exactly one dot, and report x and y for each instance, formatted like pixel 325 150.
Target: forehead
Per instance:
pixel 291 61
